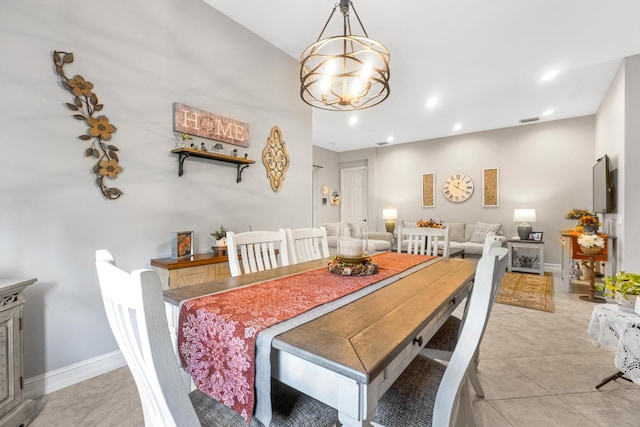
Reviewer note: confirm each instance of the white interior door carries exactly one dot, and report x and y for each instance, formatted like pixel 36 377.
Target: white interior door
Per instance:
pixel 353 205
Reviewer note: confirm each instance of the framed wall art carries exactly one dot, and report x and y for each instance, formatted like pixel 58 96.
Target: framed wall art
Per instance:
pixel 490 181
pixel 181 244
pixel 428 187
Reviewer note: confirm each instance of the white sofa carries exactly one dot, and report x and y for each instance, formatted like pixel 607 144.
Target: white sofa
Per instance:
pixel 379 241
pixel 467 236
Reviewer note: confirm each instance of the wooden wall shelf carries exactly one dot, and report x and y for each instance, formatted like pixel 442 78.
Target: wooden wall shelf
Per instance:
pixel 184 153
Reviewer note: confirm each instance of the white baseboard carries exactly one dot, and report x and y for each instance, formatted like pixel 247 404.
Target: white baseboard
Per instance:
pixel 58 379
pixel 552 268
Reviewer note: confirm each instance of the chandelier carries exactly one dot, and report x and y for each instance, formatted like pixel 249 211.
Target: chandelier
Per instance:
pixel 345 72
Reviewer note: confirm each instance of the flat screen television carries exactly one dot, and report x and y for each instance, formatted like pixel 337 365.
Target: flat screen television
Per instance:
pixel 603 189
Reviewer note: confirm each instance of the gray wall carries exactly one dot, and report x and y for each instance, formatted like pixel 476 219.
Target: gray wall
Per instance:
pixel 142 56
pixel 617 134
pixel 546 166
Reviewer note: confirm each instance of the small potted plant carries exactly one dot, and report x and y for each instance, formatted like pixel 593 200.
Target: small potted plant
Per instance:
pixel 624 287
pixel 220 244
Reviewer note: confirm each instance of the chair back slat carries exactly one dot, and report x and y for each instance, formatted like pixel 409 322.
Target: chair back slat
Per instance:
pixel 307 244
pixel 424 240
pixel 259 251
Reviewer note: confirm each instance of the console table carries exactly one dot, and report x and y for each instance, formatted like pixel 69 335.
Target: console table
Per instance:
pixel 14 410
pixel 199 268
pixel 571 251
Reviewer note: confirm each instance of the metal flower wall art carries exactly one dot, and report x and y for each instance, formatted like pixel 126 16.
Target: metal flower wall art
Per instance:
pixel 85 105
pixel 275 159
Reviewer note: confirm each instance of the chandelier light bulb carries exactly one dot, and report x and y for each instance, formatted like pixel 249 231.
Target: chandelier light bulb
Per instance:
pixel 331 67
pixel 367 69
pixel 325 83
pixel 356 86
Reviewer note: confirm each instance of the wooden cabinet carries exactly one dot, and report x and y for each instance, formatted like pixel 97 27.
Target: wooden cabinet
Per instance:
pixel 197 269
pixel 14 411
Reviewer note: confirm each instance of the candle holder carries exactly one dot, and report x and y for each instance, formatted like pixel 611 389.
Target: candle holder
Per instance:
pixel 352 243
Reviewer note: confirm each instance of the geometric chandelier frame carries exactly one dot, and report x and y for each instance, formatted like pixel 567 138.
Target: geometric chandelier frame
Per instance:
pixel 344 72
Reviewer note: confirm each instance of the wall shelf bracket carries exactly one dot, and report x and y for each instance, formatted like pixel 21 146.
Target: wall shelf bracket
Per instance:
pixel 184 153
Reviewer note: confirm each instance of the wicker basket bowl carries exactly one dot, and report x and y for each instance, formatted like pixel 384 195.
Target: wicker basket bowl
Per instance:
pixel 594 250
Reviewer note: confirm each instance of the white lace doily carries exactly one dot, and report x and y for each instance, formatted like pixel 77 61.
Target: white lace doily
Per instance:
pixel 613 327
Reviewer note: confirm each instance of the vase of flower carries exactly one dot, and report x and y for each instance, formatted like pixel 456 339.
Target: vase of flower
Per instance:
pixel 590 244
pixel 587 221
pixel 220 244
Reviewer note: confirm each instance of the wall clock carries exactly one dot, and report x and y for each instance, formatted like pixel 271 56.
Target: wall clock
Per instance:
pixel 458 187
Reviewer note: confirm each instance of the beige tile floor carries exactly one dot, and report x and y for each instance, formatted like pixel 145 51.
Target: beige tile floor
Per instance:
pixel 537 369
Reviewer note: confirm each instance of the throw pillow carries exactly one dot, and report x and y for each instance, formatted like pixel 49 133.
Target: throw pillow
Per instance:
pixel 481 231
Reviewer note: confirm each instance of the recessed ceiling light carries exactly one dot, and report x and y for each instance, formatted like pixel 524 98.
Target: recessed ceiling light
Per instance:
pixel 353 120
pixel 457 127
pixel 431 102
pixel 390 139
pixel 551 74
pixel 547 112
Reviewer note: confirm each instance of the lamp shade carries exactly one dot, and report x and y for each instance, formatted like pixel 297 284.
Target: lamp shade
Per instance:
pixel 389 214
pixel 524 215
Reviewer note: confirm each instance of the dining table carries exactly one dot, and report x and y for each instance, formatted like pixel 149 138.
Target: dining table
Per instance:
pixel 345 352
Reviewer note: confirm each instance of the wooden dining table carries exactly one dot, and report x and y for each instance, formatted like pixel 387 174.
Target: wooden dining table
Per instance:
pixel 349 356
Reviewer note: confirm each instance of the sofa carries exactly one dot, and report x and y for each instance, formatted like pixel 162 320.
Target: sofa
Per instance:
pixel 466 236
pixel 379 241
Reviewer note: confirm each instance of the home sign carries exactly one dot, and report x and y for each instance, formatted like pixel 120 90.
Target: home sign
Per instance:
pixel 208 125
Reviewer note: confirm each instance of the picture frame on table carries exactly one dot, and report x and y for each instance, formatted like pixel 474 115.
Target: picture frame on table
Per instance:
pixel 181 244
pixel 536 236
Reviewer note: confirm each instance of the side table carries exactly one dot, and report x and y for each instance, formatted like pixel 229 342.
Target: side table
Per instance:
pixel 526 256
pixel 612 326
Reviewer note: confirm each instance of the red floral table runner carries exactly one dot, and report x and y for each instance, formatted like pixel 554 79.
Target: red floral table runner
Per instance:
pixel 217 333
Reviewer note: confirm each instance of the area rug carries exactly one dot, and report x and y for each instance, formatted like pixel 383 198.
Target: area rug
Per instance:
pixel 528 291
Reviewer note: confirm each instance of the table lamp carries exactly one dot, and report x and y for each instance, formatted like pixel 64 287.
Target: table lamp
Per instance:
pixel 524 217
pixel 390 216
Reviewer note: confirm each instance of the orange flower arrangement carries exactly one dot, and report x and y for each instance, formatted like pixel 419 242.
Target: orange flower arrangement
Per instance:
pixel 429 223
pixel 587 221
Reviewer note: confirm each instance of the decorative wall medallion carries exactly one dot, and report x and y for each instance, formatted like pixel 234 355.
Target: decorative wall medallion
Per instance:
pixel 275 159
pixel 85 105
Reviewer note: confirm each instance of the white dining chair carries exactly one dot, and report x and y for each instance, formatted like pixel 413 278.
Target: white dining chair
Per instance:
pixel 135 309
pixel 424 240
pixel 429 393
pixel 258 251
pixel 306 244
pixel 443 343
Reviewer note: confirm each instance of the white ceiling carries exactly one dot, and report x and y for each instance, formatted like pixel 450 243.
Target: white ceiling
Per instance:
pixel 483 60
